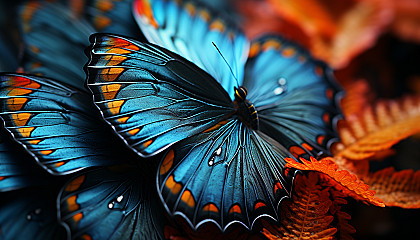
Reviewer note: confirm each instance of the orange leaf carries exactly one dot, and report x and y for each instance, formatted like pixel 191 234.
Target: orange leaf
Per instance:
pixel 332 26
pixel 400 189
pixel 307 216
pixel 377 128
pixel 356 97
pixel 406 22
pixel 340 179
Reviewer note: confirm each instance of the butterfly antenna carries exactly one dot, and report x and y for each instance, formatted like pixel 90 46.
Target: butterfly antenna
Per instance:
pixel 237 82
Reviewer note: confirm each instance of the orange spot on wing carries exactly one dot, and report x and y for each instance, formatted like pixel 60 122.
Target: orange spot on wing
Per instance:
pixel 320 139
pixel 71 203
pixel 1 178
pixel 119 42
pixel 329 93
pixel 114 60
pixel 307 146
pixel 101 22
pixel 235 209
pixel 34 142
pixel 122 119
pixel 147 143
pixel 272 43
pixel 46 152
pixel 296 151
pixel 190 8
pixel 258 205
pixel 205 15
pixel 59 164
pixel 188 198
pixel 20 119
pixel 75 184
pixel 319 71
pixel 86 237
pixel 134 131
pixel 254 49
pixel 277 187
pixel 217 25
pixel 25 131
pixel 172 185
pixel 110 74
pixel 34 49
pixel 167 162
pixel 104 5
pixel 145 10
pixel 115 106
pixel 109 91
pixel 217 126
pixel 19 92
pixel 77 217
pixel 326 117
pixel 15 104
pixel 116 50
pixel 211 208
pixel 288 52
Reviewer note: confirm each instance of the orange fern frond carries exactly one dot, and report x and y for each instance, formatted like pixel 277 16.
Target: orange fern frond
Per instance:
pixel 377 128
pixel 340 179
pixel 400 189
pixel 307 216
pixel 356 98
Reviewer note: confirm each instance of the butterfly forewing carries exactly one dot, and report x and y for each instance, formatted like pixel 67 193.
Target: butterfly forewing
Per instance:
pixel 55 123
pixel 152 97
pixel 196 33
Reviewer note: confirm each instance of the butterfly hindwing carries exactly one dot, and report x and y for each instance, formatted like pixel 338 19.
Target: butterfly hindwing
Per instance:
pixel 17 167
pixel 30 214
pixel 227 175
pixel 152 97
pixel 111 203
pixel 294 95
pixel 55 123
pixel 194 31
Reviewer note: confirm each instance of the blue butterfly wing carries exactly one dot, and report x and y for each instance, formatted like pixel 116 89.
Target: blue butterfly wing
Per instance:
pixel 190 29
pixel 295 96
pixel 111 203
pixel 227 175
pixel 112 16
pixel 152 97
pixel 30 214
pixel 17 168
pixel 54 42
pixel 56 124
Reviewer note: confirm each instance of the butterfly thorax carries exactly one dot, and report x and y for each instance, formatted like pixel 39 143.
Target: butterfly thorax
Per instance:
pixel 245 110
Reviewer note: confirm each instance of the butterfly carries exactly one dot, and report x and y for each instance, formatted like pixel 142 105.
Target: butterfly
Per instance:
pixel 224 155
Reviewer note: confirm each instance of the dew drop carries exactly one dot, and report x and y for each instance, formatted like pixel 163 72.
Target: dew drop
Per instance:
pixel 211 161
pixel 120 198
pixel 111 205
pixel 29 217
pixel 282 81
pixel 218 151
pixel 278 90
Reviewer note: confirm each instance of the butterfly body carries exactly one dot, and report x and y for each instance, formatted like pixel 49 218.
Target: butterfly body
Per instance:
pixel 245 109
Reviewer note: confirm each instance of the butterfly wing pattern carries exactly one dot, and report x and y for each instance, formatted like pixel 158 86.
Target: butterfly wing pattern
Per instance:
pixel 192 31
pixel 295 96
pixel 170 103
pixel 55 123
pixel 111 203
